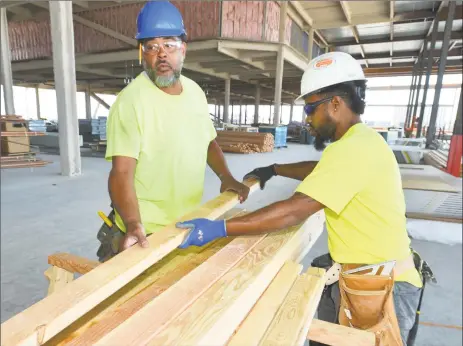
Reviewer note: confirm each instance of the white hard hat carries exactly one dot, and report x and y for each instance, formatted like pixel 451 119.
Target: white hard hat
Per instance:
pixel 329 69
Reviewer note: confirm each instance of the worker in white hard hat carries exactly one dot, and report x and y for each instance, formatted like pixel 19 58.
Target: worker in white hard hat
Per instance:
pixel 357 183
pixel 159 138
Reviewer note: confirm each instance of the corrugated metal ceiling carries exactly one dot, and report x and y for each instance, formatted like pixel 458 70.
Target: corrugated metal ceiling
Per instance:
pixel 407 6
pixel 337 33
pixel 373 29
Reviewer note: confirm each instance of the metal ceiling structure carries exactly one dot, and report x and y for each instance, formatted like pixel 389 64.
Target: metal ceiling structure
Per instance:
pixel 385 36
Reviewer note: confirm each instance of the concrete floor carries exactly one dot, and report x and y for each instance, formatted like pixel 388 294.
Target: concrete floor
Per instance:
pixel 43 212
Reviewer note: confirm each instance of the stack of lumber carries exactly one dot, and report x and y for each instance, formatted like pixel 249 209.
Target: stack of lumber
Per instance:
pixel 223 293
pixel 15 144
pixel 22 161
pixel 245 142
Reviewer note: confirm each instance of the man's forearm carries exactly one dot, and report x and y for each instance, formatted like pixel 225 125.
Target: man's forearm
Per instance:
pixel 216 160
pixel 123 196
pixel 275 217
pixel 298 171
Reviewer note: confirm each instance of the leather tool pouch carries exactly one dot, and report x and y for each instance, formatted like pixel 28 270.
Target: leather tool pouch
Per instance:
pixel 367 303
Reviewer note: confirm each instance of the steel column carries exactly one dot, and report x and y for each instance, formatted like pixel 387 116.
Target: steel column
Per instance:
pixel 280 63
pixel 232 112
pixel 310 50
pixel 241 111
pixel 5 68
pixel 37 101
pixel 428 75
pixel 291 106
pixel 456 145
pixel 88 104
pixel 62 34
pixel 420 72
pixel 441 71
pixel 226 105
pixel 257 104
pixel 412 94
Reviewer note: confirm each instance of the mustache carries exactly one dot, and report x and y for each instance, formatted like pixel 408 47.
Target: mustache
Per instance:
pixel 159 62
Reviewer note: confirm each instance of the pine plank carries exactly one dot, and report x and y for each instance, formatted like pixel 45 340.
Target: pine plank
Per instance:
pixel 72 263
pixel 181 295
pixel 337 335
pixel 291 324
pixel 43 320
pixel 132 297
pixel 256 323
pixel 213 318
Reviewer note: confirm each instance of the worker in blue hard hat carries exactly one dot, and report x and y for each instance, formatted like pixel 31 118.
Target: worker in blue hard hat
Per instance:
pixel 159 138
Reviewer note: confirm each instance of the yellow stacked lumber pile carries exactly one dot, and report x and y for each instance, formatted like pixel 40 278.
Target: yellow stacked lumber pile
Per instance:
pixel 214 295
pixel 245 142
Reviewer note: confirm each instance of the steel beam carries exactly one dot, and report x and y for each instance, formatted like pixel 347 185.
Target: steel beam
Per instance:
pixel 440 75
pixel 62 34
pixel 226 106
pixel 434 36
pixel 5 68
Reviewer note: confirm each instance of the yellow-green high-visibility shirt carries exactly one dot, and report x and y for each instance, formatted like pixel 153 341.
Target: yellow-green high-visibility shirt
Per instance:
pixel 358 180
pixel 169 136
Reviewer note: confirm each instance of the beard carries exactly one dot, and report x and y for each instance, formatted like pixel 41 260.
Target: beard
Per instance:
pixel 164 81
pixel 324 134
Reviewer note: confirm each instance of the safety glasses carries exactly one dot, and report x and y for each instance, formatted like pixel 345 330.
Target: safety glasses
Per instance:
pixel 309 108
pixel 154 48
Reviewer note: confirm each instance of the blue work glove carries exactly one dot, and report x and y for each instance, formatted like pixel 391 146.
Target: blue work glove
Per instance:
pixel 202 231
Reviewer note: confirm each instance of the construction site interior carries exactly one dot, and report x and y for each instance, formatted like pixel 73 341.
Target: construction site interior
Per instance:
pixel 63 64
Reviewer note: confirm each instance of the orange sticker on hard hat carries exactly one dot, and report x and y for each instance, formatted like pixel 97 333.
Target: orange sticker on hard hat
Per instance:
pixel 323 63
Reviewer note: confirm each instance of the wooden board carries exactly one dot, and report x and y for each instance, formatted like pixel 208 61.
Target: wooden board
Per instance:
pixel 214 317
pixel 426 183
pixel 177 298
pixel 337 335
pixel 291 324
pixel 43 320
pixel 132 297
pixel 72 263
pixel 257 322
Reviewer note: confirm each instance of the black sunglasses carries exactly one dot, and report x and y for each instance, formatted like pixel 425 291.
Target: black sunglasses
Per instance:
pixel 309 108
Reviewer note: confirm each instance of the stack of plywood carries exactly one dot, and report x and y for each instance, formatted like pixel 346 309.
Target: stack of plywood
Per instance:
pixel 245 142
pixel 162 295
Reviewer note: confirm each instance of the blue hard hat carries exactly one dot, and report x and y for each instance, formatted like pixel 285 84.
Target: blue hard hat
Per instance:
pixel 159 19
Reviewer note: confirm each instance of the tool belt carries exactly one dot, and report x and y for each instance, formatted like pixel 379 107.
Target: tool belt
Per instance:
pixel 367 303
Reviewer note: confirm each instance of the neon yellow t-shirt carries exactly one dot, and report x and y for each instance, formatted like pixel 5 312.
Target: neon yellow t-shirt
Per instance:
pixel 169 136
pixel 358 180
